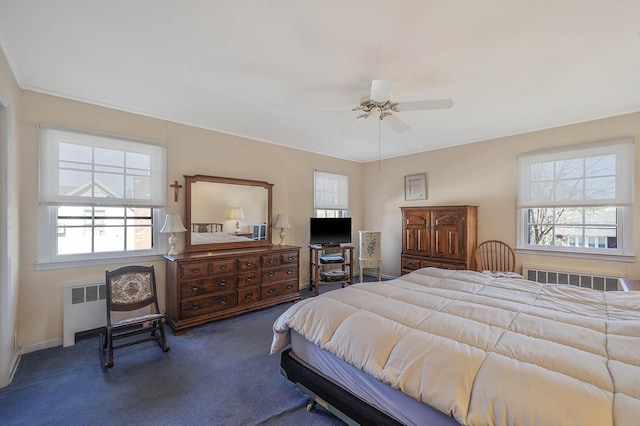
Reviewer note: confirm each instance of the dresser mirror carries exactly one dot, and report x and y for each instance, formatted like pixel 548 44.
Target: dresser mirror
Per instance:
pixel 224 213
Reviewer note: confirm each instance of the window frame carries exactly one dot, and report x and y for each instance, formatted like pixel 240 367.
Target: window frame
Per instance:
pixel 48 257
pixel 622 201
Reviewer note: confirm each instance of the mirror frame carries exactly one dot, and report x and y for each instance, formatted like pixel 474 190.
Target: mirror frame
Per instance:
pixel 190 248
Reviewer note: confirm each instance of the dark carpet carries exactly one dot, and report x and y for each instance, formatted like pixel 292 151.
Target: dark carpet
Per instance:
pixel 219 373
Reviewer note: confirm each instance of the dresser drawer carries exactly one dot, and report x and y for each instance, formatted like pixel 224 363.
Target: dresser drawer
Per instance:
pixel 194 270
pixel 248 295
pixel 249 278
pixel 223 266
pixel 410 263
pixel 207 305
pixel 279 274
pixel 207 285
pixel 278 289
pixel 248 263
pixel 271 260
pixel 289 258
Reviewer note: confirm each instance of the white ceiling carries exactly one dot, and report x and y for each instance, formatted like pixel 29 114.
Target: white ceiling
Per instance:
pixel 289 72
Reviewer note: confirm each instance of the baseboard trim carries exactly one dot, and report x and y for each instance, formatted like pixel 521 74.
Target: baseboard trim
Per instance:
pixel 41 345
pixel 15 362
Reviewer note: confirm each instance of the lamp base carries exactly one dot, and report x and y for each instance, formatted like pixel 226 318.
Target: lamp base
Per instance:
pixel 281 236
pixel 172 242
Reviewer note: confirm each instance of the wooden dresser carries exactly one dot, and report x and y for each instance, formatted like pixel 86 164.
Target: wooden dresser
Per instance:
pixel 442 236
pixel 202 287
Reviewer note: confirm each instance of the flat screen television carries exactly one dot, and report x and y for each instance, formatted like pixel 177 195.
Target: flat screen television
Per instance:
pixel 330 231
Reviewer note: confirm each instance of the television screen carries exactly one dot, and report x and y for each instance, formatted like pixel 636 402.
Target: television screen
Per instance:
pixel 330 231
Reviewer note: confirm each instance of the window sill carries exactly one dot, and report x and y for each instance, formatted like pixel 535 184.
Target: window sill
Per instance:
pixel 592 256
pixel 46 266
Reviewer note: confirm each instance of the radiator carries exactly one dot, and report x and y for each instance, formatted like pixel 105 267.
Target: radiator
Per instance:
pixel 84 308
pixel 594 280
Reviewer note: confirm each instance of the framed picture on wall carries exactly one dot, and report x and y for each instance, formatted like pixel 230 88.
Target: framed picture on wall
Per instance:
pixel 415 187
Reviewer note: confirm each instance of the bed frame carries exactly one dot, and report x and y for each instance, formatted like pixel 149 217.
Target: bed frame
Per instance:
pixel 340 402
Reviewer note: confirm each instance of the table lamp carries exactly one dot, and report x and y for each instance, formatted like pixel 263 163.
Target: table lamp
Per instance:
pixel 172 224
pixel 237 213
pixel 282 222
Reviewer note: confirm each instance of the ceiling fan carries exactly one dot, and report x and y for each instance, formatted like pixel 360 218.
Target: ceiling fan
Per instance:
pixel 379 103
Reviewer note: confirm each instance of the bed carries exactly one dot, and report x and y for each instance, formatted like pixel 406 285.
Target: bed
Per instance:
pixel 442 347
pixel 208 233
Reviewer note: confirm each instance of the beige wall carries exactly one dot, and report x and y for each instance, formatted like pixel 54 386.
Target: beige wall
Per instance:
pixel 10 97
pixel 484 174
pixel 189 151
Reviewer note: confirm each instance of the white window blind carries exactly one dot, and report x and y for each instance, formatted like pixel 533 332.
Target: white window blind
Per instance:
pixel 590 175
pixel 331 191
pixel 84 168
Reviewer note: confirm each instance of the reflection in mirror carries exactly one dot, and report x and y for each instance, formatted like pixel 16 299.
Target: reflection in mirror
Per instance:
pixel 227 213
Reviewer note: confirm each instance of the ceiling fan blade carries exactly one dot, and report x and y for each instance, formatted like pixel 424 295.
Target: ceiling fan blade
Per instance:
pixel 420 105
pixel 380 90
pixel 395 123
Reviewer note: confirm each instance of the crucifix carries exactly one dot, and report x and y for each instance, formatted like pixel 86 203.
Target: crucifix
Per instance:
pixel 175 187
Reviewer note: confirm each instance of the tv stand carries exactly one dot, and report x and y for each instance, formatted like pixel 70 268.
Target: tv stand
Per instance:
pixel 330 273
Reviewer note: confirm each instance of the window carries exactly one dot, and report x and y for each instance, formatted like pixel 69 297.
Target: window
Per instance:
pixel 331 194
pixel 100 196
pixel 577 199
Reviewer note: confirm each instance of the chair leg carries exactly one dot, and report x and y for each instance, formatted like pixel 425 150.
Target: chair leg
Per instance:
pixel 103 345
pixel 109 343
pixel 163 337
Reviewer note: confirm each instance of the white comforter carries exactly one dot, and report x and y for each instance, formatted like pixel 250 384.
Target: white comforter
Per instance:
pixel 486 350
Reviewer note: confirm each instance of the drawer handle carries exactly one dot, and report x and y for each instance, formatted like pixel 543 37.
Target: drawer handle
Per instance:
pixel 248 295
pixel 195 288
pixel 289 286
pixel 291 258
pixel 222 283
pixel 290 271
pixel 410 263
pixel 195 270
pixel 223 301
pixel 248 279
pixel 270 274
pixel 249 263
pixel 223 267
pixel 272 260
pixel 270 290
pixel 195 307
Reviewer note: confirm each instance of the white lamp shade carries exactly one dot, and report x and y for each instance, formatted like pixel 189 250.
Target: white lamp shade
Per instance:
pixel 237 213
pixel 173 223
pixel 282 222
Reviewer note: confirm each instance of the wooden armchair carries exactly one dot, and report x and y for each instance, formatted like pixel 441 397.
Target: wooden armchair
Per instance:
pixel 496 258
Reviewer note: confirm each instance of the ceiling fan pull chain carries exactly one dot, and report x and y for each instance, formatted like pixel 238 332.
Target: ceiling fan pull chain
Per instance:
pixel 379 144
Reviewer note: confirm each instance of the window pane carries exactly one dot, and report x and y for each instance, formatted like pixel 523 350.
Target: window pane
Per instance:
pixel 600 165
pixel 139 238
pixel 604 215
pixel 85 230
pixel 569 169
pixel 109 239
pixel 540 234
pixel 590 227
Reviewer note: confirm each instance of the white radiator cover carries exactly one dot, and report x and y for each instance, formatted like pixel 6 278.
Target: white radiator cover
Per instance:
pixel 84 308
pixel 594 280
